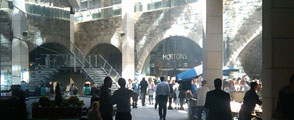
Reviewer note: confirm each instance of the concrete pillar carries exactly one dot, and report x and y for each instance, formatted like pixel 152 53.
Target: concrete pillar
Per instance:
pixel 20 53
pixel 277 49
pixel 128 41
pixel 72 35
pixel 213 43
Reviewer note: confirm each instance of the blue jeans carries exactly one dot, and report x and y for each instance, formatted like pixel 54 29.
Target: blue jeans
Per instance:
pixel 200 109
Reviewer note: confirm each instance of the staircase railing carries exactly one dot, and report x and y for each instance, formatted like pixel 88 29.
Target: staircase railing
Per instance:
pixel 106 67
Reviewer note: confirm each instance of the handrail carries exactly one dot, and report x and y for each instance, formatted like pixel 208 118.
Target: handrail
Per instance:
pixel 90 65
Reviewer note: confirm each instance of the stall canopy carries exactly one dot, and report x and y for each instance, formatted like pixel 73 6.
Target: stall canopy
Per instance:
pixel 227 70
pixel 198 70
pixel 190 73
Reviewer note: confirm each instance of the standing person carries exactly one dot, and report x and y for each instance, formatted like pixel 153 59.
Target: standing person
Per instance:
pixel 121 98
pixel 94 113
pixel 218 103
pixel 106 107
pixel 193 87
pixel 72 89
pixel 130 84
pixel 176 96
pixel 250 100
pixel 94 90
pixel 143 86
pixel 171 94
pixel 162 91
pixel 151 88
pixel 285 100
pixel 201 97
pixel 182 96
pixel 136 93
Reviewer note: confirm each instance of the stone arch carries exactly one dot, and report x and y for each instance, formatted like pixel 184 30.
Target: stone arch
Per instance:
pixel 148 50
pixel 111 54
pixel 252 63
pixel 47 48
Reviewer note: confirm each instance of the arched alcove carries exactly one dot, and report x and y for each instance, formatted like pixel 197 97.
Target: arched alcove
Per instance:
pixel 110 53
pixel 172 56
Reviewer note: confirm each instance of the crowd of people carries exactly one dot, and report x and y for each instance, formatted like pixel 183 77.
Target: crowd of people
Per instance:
pixel 169 94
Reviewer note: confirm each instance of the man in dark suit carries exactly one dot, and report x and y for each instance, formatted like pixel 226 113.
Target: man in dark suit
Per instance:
pixel 218 103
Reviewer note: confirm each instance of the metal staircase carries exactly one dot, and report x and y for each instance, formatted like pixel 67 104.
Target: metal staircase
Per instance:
pixel 99 72
pixel 75 59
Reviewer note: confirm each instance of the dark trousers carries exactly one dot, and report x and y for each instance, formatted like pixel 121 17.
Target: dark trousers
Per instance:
pixel 107 117
pixel 244 115
pixel 151 99
pixel 162 105
pixel 135 99
pixel 143 93
pixel 170 100
pixel 156 101
pixel 123 116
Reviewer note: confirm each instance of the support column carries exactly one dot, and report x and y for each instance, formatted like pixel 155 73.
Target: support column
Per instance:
pixel 20 53
pixel 277 49
pixel 72 35
pixel 128 41
pixel 213 43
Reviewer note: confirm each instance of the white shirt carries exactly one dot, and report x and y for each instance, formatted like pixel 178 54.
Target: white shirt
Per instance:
pixel 201 95
pixel 162 88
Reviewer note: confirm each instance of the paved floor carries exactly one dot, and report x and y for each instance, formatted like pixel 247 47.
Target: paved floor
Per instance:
pixel 149 113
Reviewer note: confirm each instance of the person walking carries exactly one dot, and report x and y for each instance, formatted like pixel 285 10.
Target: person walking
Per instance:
pixel 121 98
pixel 201 97
pixel 162 91
pixel 171 94
pixel 250 100
pixel 94 113
pixel 136 93
pixel 218 103
pixel 106 107
pixel 151 88
pixel 143 86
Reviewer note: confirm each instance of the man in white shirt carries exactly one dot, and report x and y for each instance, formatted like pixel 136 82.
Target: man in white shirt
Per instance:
pixel 162 91
pixel 201 97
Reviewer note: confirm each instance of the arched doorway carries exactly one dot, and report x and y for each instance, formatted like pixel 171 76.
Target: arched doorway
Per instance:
pixel 172 56
pixel 37 56
pixel 110 53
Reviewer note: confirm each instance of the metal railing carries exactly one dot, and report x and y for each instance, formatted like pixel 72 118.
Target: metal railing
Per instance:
pixel 104 65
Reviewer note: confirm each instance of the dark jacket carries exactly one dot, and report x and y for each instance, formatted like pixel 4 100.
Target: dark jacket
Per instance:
pixel 143 85
pixel 105 101
pixel 286 102
pixel 250 99
pixel 218 104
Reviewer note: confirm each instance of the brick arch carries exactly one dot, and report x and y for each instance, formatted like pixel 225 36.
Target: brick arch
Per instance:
pixel 48 48
pixel 141 58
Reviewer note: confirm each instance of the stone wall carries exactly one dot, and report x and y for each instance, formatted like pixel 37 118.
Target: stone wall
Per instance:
pixel 43 30
pixel 242 24
pixel 89 34
pixel 153 27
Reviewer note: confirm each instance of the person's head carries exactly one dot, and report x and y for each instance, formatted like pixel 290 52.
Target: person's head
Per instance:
pixel 72 85
pixel 217 83
pixel 143 79
pixel 150 80
pixel 130 80
pixel 122 82
pixel 253 86
pixel 108 82
pixel 194 80
pixel 94 85
pixel 162 79
pixel 95 105
pixel 204 82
